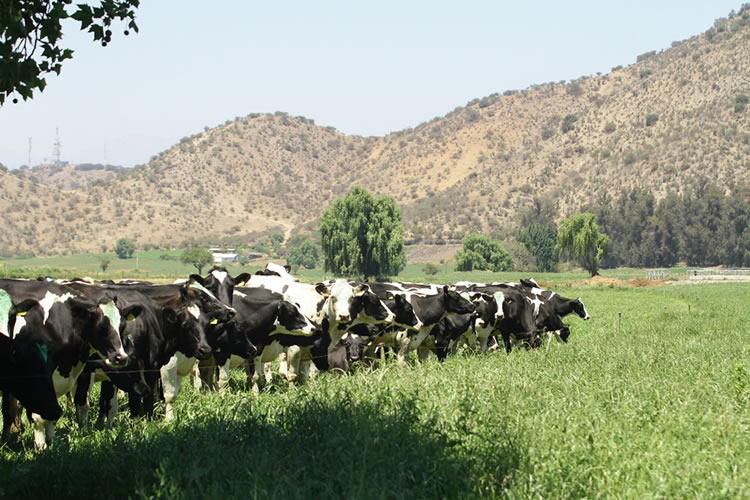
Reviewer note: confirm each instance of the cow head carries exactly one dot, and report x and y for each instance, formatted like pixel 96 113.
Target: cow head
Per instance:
pixel 290 320
pixel 101 323
pixel 220 283
pixel 355 347
pixel 578 308
pixel 339 299
pixel 456 303
pixel 404 312
pixel 368 308
pixel 200 313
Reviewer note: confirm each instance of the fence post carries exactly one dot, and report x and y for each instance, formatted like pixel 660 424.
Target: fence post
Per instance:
pixel 619 322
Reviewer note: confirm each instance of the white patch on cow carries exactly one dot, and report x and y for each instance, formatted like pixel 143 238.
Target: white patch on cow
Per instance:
pixel 20 323
pixel 239 294
pixel 537 302
pixel 110 310
pixel 5 305
pixel 536 291
pixel 51 299
pixel 499 299
pixel 585 312
pixel 195 311
pixel 203 289
pixel 219 275
pixel 340 300
pixel 466 296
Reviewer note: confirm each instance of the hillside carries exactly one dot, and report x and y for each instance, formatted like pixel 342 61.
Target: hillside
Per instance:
pixel 69 176
pixel 660 123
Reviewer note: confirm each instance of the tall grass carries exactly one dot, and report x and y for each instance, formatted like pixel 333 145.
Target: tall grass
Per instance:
pixel 659 409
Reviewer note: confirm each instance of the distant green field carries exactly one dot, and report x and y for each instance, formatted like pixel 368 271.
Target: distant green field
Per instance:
pixel 658 409
pixel 151 266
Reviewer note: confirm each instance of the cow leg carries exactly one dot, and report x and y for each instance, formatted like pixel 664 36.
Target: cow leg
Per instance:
pixel 171 383
pixel 293 357
pixel 44 432
pixel 506 342
pixel 284 364
pixel 403 343
pixel 12 416
pixel 108 405
pixel 203 375
pixel 223 382
pixel 81 400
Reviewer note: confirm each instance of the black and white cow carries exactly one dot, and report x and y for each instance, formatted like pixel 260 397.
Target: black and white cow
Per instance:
pixel 71 327
pixel 518 320
pixel 428 308
pixel 264 317
pixel 25 373
pixel 550 308
pixel 199 315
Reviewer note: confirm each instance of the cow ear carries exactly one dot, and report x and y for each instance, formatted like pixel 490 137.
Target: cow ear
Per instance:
pixel 81 307
pixel 241 279
pixel 322 289
pixel 132 312
pixel 362 289
pixel 197 278
pixel 446 289
pixel 24 306
pixel 169 314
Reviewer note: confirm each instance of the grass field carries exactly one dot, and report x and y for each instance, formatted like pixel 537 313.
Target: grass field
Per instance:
pixel 660 409
pixel 151 266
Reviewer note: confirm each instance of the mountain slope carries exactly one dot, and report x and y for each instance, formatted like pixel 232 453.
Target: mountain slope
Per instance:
pixel 659 123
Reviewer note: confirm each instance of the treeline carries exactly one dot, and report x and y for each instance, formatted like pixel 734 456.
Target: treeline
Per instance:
pixel 704 227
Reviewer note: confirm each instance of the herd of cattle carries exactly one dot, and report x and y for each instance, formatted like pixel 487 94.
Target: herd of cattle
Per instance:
pixel 57 337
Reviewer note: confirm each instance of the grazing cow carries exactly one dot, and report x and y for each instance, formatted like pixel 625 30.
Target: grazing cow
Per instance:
pixel 518 321
pixel 550 308
pixel 428 309
pixel 200 315
pixel 270 322
pixel 70 326
pixel 25 373
pixel 130 377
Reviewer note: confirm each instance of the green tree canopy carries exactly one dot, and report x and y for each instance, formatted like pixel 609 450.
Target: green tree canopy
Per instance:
pixel 124 248
pixel 197 257
pixel 540 240
pixel 31 33
pixel 580 238
pixel 305 255
pixel 481 253
pixel 363 236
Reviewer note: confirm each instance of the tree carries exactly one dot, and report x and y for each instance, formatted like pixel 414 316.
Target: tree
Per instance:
pixel 430 269
pixel 197 257
pixel 124 248
pixel 305 255
pixel 362 235
pixel 482 253
pixel 580 238
pixel 31 32
pixel 540 240
pixel 104 263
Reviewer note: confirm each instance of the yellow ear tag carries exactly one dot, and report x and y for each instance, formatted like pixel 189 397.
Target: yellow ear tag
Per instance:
pixel 130 317
pixel 213 321
pixel 22 313
pixel 390 298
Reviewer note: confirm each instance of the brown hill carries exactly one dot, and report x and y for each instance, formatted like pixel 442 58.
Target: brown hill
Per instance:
pixel 69 176
pixel 659 123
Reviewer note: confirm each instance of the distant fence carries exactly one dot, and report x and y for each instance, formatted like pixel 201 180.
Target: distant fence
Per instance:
pixel 726 274
pixel 657 274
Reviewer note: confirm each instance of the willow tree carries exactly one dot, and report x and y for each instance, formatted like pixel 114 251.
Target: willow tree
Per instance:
pixel 363 236
pixel 579 237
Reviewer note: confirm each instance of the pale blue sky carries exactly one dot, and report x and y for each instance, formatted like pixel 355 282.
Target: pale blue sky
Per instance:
pixel 364 69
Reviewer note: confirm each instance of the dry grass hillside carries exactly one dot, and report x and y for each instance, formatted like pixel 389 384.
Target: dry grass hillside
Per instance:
pixel 659 123
pixel 69 176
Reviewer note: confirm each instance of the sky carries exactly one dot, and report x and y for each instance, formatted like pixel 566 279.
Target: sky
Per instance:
pixel 365 68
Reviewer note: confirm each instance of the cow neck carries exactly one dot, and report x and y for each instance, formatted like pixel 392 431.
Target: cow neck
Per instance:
pixel 429 310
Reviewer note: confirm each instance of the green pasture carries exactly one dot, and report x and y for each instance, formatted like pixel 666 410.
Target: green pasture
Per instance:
pixel 152 266
pixel 649 399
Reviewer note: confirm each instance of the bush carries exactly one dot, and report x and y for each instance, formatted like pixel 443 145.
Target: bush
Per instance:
pixel 568 121
pixel 740 103
pixel 651 119
pixel 482 253
pixel 430 269
pixel 610 127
